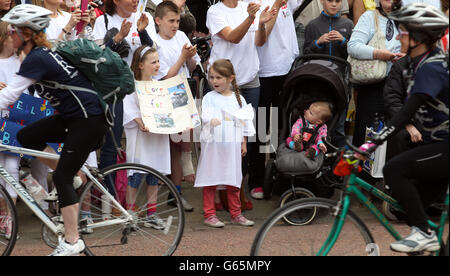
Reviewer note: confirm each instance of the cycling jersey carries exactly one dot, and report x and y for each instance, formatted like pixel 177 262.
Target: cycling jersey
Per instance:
pixel 42 64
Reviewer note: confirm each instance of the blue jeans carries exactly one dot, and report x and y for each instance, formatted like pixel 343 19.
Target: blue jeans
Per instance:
pixel 108 155
pixel 134 181
pixel 251 96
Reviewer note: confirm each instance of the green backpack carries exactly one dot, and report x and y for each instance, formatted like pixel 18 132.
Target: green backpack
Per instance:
pixel 111 77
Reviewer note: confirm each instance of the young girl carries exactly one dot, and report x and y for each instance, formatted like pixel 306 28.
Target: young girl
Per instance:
pixel 144 147
pixel 223 144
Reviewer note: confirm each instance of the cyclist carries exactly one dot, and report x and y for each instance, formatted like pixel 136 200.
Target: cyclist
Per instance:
pixel 424 169
pixel 80 123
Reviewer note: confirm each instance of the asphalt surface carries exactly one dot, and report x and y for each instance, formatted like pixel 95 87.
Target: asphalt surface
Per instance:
pixel 201 240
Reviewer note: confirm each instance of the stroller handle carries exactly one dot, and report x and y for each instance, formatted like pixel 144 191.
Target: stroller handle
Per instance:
pixel 324 57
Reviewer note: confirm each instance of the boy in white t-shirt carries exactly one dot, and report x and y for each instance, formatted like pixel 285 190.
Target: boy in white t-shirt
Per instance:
pixel 176 56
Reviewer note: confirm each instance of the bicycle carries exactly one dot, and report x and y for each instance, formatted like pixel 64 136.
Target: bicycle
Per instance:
pixel 330 229
pixel 110 229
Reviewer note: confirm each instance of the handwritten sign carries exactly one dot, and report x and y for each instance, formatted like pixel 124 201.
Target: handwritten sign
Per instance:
pixel 167 106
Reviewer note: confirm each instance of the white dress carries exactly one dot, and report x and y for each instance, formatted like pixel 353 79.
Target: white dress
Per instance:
pixel 220 159
pixel 144 148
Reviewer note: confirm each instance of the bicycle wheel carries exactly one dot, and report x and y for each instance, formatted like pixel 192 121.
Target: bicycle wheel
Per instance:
pixel 276 238
pixel 301 217
pixel 157 221
pixel 8 218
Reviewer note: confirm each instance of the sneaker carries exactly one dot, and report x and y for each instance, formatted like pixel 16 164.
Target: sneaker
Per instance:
pixel 417 241
pixel 67 249
pixel 213 221
pixel 257 193
pixel 89 220
pixel 187 206
pixel 241 220
pixel 53 195
pixel 155 222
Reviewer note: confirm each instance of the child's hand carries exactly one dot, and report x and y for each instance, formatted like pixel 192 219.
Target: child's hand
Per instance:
pixel 142 22
pixel 297 137
pixel 215 122
pixel 2 85
pixel 325 38
pixel 188 51
pixel 323 148
pixel 335 36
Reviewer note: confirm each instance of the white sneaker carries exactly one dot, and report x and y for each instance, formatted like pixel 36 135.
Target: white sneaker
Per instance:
pixel 53 195
pixel 154 221
pixel 66 249
pixel 186 205
pixel 417 241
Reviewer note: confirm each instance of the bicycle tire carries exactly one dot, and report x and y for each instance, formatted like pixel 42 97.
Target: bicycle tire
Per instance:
pixel 291 237
pixel 297 218
pixel 11 209
pixel 131 238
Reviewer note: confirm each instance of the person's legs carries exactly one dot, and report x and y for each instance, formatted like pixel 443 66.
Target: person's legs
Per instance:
pixel 108 152
pixel 428 162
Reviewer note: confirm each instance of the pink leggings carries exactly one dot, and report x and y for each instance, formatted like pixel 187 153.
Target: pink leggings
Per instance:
pixel 234 201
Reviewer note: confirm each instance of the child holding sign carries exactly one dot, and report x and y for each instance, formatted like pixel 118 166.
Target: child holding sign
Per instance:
pixel 144 147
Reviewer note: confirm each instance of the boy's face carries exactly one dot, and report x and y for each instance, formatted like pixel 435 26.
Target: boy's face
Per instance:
pixel 169 24
pixel 331 7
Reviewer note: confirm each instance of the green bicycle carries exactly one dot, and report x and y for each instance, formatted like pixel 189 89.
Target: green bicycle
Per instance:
pixel 330 225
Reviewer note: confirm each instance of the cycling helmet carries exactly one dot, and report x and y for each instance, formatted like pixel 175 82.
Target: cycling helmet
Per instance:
pixel 421 18
pixel 29 16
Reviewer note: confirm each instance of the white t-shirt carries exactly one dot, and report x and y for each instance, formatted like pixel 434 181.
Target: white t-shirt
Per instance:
pixel 169 52
pixel 243 55
pixel 279 52
pixel 133 39
pixel 8 68
pixel 56 25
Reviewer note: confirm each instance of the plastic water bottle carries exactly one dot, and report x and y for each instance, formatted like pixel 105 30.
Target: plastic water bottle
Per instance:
pixel 106 207
pixel 34 188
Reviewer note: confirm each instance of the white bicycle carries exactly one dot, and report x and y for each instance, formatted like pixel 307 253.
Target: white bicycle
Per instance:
pixel 153 226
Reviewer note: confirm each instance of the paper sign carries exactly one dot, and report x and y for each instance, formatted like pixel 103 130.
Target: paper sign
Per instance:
pixel 141 8
pixel 167 106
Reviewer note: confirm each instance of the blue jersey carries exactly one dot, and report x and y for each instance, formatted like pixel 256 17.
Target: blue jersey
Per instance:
pixel 42 65
pixel 433 79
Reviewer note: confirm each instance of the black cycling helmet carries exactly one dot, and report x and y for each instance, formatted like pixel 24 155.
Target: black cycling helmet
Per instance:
pixel 423 22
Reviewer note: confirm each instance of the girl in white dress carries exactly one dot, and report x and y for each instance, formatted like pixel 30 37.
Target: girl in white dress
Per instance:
pixel 224 144
pixel 143 147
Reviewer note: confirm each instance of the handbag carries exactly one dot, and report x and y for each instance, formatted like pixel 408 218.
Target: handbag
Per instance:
pixel 371 70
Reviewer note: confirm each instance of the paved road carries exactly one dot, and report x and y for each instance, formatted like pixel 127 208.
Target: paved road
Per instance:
pixel 200 240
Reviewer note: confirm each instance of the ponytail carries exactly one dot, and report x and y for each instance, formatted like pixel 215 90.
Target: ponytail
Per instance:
pixel 237 92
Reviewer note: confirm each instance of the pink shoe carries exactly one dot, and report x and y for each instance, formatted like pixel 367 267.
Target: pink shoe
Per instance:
pixel 257 193
pixel 213 221
pixel 241 220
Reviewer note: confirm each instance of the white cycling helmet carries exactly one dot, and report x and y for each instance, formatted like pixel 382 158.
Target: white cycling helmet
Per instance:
pixel 421 18
pixel 29 16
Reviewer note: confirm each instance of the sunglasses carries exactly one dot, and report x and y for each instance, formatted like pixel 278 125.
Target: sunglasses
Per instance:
pixel 12 29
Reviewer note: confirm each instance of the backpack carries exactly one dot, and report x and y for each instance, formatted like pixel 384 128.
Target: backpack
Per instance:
pixel 111 76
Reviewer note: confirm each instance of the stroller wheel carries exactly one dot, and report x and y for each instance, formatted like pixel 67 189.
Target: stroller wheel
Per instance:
pixel 269 179
pixel 301 217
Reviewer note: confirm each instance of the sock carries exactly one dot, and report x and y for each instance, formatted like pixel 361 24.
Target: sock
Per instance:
pixel 151 209
pixel 179 189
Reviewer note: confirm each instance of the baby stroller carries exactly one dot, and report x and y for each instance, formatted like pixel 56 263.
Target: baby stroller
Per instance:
pixel 313 78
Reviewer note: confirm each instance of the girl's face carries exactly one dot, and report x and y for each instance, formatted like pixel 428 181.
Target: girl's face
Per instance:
pixel 403 37
pixel 150 65
pixel 127 6
pixel 313 115
pixel 5 4
pixel 14 38
pixel 218 82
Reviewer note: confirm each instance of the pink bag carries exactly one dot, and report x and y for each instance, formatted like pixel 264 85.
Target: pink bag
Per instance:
pixel 121 179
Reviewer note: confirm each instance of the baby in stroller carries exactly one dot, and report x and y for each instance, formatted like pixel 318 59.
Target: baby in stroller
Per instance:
pixel 310 129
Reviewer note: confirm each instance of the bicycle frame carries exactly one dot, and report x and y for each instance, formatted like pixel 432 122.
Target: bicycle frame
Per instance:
pixel 354 184
pixel 57 229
